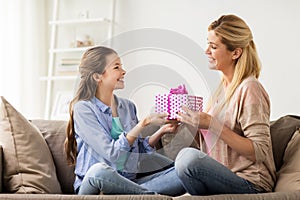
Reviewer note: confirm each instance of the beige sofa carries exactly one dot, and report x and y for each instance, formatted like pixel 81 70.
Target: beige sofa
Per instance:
pixel 33 165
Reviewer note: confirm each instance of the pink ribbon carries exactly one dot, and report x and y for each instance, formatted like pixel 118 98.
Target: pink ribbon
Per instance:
pixel 179 90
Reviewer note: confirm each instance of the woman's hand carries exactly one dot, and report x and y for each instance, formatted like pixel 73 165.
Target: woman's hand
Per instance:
pixel 196 119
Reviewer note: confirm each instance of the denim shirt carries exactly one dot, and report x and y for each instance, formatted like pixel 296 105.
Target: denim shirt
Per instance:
pixel 93 124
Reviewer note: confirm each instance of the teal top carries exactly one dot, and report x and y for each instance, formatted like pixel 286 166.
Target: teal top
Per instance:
pixel 116 131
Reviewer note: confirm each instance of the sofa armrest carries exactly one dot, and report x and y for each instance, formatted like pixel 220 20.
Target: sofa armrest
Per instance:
pixel 1 167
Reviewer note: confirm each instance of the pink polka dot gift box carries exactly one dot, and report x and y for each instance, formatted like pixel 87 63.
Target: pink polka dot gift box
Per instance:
pixel 177 97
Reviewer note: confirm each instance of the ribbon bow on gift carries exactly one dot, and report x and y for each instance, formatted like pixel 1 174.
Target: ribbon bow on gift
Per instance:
pixel 179 90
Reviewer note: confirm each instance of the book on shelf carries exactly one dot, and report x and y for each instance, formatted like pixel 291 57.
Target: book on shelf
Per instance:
pixel 68 64
pixel 70 61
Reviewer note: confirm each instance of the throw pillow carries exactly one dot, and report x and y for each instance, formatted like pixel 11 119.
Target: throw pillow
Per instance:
pixel 54 132
pixel 28 165
pixel 289 174
pixel 282 131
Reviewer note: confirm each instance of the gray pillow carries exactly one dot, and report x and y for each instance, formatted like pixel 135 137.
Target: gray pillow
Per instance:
pixel 288 177
pixel 282 131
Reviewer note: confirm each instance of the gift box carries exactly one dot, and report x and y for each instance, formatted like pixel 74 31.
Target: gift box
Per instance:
pixel 177 97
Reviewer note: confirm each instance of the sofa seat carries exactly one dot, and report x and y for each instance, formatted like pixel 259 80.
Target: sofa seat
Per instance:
pixel 265 196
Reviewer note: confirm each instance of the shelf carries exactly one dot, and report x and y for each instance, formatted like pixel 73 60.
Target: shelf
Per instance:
pixel 79 21
pixel 66 35
pixel 54 78
pixel 66 50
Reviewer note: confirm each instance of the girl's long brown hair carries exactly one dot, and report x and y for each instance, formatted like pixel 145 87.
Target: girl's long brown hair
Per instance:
pixel 92 61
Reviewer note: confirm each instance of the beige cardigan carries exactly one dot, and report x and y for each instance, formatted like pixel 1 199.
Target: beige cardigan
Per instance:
pixel 247 114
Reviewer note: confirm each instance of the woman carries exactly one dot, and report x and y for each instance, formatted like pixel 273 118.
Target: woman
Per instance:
pixel 236 154
pixel 103 134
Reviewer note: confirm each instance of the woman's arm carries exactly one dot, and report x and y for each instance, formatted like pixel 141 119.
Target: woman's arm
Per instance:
pixel 253 119
pixel 242 145
pixel 202 120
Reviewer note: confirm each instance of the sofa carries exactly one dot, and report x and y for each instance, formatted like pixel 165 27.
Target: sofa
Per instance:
pixel 33 164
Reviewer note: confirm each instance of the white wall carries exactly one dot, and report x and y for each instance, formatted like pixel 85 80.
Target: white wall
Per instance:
pixel 23 54
pixel 273 22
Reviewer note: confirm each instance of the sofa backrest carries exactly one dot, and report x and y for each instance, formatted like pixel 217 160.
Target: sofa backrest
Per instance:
pixel 54 132
pixel 1 159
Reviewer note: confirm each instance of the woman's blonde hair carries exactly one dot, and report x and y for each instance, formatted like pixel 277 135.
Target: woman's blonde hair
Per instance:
pixel 235 33
pixel 92 61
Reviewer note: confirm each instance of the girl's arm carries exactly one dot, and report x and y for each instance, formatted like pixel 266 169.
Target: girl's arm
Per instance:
pixel 156 119
pixel 95 133
pixel 167 128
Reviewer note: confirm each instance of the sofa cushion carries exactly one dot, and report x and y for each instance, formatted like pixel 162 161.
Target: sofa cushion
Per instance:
pixel 1 164
pixel 282 131
pixel 28 165
pixel 173 143
pixel 288 177
pixel 54 132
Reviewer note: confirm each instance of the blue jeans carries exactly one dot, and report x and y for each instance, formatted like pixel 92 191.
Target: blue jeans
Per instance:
pixel 202 175
pixel 102 178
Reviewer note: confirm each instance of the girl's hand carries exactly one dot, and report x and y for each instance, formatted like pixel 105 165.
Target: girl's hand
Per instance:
pixel 166 128
pixel 196 119
pixel 154 119
pixel 169 128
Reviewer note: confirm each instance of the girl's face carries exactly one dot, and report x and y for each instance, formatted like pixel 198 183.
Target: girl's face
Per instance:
pixel 113 76
pixel 219 57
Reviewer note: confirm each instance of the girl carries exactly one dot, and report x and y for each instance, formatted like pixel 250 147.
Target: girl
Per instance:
pixel 103 134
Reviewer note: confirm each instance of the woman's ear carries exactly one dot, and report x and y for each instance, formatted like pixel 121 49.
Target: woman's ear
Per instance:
pixel 97 77
pixel 237 53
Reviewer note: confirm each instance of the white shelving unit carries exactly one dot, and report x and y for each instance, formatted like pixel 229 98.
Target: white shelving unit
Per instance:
pixel 70 18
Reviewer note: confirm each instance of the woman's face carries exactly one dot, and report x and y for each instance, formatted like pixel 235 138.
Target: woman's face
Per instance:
pixel 219 57
pixel 113 76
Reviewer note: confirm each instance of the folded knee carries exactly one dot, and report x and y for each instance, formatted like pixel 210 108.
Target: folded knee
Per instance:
pixel 188 157
pixel 100 170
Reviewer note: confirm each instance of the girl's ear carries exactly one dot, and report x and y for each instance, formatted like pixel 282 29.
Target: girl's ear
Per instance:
pixel 97 77
pixel 237 53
